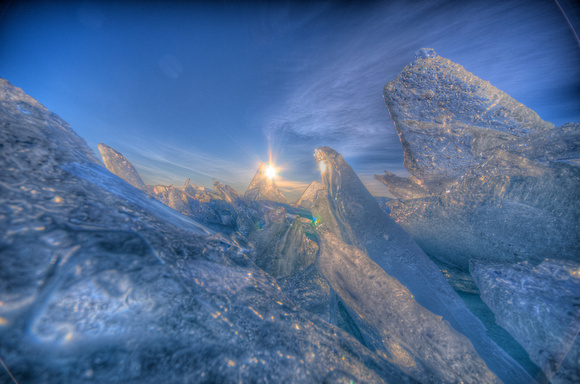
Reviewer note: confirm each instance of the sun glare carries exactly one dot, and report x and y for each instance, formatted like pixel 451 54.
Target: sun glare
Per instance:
pixel 271 172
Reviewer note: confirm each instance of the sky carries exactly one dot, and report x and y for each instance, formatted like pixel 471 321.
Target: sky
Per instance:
pixel 206 90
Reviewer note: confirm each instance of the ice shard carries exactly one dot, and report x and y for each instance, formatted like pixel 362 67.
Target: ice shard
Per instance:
pixel 539 306
pixel 353 215
pixel 393 324
pixel 263 187
pixel 100 283
pixel 120 166
pixel 199 203
pixel 310 195
pixel 447 117
pixel 284 244
pixel 226 192
pixel 247 216
pixel 496 182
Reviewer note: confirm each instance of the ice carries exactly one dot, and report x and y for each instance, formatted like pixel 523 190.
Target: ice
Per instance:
pixel 199 203
pixel 247 215
pixel 403 188
pixel 353 215
pixel 284 243
pixel 263 187
pixel 120 166
pixel 226 192
pixel 446 117
pixel 97 175
pixel 281 246
pixel 392 323
pixel 382 200
pixel 309 289
pixel 99 282
pixel 489 180
pixel 310 195
pixel 540 307
pixel 507 209
pixel 561 144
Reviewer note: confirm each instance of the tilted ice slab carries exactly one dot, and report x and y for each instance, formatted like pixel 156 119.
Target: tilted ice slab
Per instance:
pixel 310 195
pixel 120 166
pixel 393 323
pixel 446 117
pixel 540 307
pixel 489 179
pixel 284 243
pixel 98 282
pixel 351 213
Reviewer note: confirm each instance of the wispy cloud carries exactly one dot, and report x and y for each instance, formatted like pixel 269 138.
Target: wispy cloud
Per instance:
pixel 335 99
pixel 333 91
pixel 162 163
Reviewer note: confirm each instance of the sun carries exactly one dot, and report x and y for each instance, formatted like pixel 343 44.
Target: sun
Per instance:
pixel 271 172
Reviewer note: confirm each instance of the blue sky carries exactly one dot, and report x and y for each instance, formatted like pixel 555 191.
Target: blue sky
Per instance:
pixel 201 90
